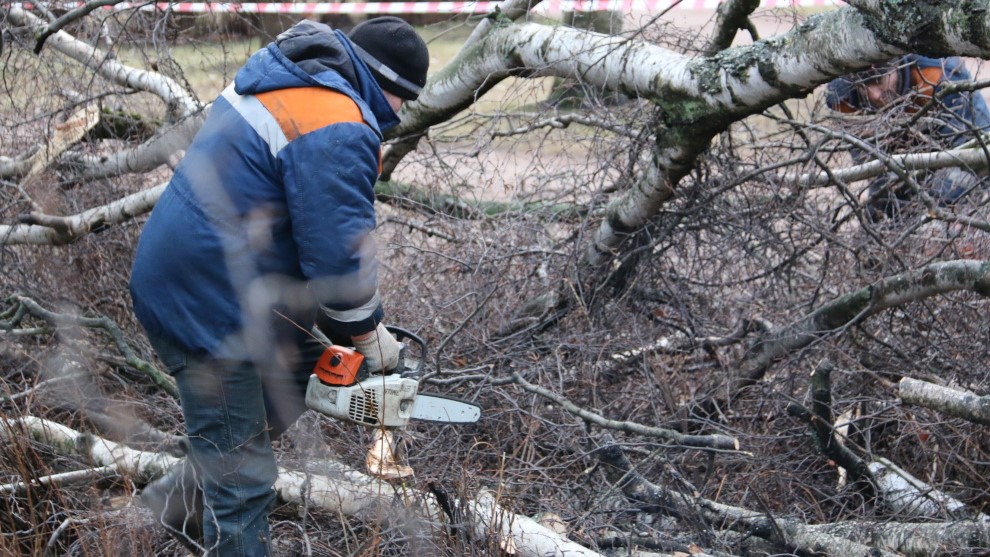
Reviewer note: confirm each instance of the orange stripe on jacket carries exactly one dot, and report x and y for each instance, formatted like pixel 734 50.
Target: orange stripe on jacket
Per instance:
pixel 924 81
pixel 300 110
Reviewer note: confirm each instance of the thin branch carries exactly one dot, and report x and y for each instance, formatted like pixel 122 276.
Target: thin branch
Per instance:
pixel 105 323
pixel 65 479
pixel 710 442
pixel 69 17
pixel 823 427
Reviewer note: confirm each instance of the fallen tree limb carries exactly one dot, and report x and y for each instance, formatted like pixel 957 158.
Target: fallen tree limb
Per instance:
pixel 908 496
pixel 973 159
pixel 957 403
pixel 853 538
pixel 165 147
pixel 855 307
pixel 414 127
pixel 718 442
pixel 516 533
pixel 65 479
pixel 139 465
pixel 822 424
pixel 28 306
pixel 797 535
pixel 42 230
pixel 456 207
pixel 341 489
pixel 69 17
pixel 917 539
pixel 179 102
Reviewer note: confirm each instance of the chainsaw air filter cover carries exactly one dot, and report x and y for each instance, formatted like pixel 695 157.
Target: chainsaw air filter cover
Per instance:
pixel 378 401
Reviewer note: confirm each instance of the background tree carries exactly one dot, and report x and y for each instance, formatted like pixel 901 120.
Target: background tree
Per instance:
pixel 685 334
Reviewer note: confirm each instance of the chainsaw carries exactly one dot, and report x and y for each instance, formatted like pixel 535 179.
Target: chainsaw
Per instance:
pixel 342 387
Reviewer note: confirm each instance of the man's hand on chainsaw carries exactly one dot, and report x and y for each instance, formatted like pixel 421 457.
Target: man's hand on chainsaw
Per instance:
pixel 379 348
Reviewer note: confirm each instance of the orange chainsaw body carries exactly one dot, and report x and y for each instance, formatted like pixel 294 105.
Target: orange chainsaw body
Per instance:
pixel 340 366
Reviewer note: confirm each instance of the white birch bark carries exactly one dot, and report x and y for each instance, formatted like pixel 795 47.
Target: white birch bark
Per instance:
pixel 179 102
pixel 55 230
pixel 166 147
pixel 912 498
pixel 974 159
pixel 517 534
pixel 958 403
pixel 141 465
pixel 341 489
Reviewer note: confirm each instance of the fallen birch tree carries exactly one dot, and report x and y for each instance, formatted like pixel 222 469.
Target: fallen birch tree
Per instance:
pixel 790 534
pixel 340 490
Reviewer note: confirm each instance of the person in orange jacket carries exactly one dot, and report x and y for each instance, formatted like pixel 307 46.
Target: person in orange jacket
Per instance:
pixel 911 83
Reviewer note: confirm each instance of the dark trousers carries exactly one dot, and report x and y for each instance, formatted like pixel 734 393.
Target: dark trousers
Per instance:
pixel 233 408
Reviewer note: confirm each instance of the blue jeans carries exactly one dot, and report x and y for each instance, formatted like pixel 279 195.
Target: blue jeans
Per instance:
pixel 233 409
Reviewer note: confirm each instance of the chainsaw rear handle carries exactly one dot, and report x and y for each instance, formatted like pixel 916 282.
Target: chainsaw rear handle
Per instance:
pixel 342 366
pixel 401 334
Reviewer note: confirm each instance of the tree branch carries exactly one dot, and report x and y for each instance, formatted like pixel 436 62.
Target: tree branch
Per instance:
pixel 730 17
pixel 60 319
pixel 853 308
pixel 41 229
pixel 69 17
pixel 823 427
pixel 797 534
pixel 957 403
pixel 718 442
pixel 178 101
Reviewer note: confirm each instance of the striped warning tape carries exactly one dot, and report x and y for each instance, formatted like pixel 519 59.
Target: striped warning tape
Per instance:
pixel 312 8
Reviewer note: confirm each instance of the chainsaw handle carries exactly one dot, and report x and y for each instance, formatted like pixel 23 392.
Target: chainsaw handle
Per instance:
pixel 401 334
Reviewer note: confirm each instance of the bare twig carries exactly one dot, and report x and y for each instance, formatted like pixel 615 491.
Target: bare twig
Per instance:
pixel 711 442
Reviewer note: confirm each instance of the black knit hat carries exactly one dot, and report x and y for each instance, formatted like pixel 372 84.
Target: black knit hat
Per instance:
pixel 396 55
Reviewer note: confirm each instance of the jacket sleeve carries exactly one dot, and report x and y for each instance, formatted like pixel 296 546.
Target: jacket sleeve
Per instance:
pixel 329 177
pixel 964 111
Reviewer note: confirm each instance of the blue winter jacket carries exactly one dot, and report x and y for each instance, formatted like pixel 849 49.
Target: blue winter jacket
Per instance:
pixel 267 218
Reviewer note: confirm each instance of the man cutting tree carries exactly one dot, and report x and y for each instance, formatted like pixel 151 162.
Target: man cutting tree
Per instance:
pixel 264 231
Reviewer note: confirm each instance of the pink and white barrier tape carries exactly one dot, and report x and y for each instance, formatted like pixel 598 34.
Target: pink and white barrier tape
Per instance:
pixel 312 8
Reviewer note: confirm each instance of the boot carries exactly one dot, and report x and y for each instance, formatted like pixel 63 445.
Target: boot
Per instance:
pixel 177 503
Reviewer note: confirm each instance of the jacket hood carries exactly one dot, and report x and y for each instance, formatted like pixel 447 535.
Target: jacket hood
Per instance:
pixel 312 54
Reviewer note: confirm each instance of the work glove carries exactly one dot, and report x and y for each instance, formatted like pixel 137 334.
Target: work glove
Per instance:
pixel 380 350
